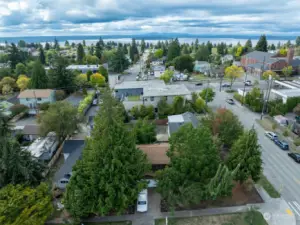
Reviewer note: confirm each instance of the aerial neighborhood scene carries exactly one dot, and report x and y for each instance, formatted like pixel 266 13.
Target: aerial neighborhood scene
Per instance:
pixel 134 112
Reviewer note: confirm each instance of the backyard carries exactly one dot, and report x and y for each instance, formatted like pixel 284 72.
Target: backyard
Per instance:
pixel 248 218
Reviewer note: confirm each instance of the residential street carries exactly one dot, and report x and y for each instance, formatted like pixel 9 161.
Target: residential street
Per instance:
pixel 281 171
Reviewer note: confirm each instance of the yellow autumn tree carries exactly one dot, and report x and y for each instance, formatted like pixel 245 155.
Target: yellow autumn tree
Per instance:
pixel 97 80
pixel 81 80
pixel 271 73
pixel 233 72
pixel 23 82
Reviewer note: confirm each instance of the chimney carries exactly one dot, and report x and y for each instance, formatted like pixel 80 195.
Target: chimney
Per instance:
pixel 290 56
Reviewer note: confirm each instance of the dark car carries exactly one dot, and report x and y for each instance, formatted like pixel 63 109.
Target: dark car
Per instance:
pixel 230 101
pixel 295 156
pixel 68 175
pixel 282 144
pixel 225 85
pixel 199 84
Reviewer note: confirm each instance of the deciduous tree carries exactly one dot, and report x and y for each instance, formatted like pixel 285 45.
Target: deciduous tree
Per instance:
pixel 158 53
pixel 207 94
pixel 61 111
pixel 144 131
pixel 103 72
pixel 20 69
pixel 110 173
pixel 287 71
pixel 167 76
pixel 23 82
pixel 233 72
pixel 271 73
pixel 97 80
pixel 184 62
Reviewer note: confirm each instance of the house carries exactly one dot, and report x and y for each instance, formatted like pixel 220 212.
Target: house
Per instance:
pixel 227 58
pixel 84 68
pixel 202 67
pixel 176 121
pixel 34 97
pixel 152 95
pixel 156 155
pixel 158 70
pixel 5 106
pixel 31 132
pixel 257 62
pixel 44 148
pixel 135 88
pixel 72 150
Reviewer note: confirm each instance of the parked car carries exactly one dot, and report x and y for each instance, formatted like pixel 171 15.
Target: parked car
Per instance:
pixel 248 83
pixel 282 144
pixel 68 175
pixel 95 101
pixel 225 85
pixel 294 156
pixel 271 135
pixel 151 183
pixel 62 183
pixel 199 84
pixel 142 202
pixel 230 101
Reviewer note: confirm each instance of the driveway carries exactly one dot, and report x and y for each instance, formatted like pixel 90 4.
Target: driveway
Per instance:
pixel 26 121
pixel 280 170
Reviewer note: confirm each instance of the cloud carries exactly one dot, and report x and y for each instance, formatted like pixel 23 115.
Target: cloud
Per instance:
pixel 90 17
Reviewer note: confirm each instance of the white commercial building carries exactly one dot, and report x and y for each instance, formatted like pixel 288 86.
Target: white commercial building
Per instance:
pixel 285 90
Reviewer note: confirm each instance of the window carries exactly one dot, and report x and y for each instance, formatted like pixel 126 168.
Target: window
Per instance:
pixel 151 99
pixel 39 99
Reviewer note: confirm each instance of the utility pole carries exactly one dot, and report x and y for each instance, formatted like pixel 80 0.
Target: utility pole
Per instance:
pixel 244 88
pixel 221 80
pixel 266 97
pixel 206 94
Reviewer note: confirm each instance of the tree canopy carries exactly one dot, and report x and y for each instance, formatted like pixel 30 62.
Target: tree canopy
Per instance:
pixel 207 94
pixel 262 44
pixel 39 79
pixel 110 174
pixel 145 131
pixel 167 76
pixel 246 152
pixel 184 62
pixel 25 205
pixel 61 111
pixel 233 72
pixel 173 50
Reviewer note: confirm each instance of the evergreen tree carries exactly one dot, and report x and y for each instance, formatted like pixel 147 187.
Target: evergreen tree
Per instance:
pixel 80 53
pixel 59 76
pixel 133 53
pixel 38 76
pixel 101 42
pixel 248 45
pixel 196 46
pixel 273 47
pixel 202 54
pixel 103 72
pixel 67 44
pixel 125 49
pixel 194 163
pixel 184 62
pixel 209 46
pixel 56 44
pixel 98 50
pixel 246 153
pixel 173 50
pixel 47 46
pixel 42 57
pixel 13 56
pixel 110 173
pixel 91 50
pixel 288 44
pixel 83 43
pixel 145 131
pixel 119 62
pixel 143 46
pixel 278 45
pixel 262 44
pixel 298 41
pixel 22 44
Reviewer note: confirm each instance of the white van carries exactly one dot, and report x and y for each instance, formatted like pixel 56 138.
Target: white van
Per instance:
pixel 142 202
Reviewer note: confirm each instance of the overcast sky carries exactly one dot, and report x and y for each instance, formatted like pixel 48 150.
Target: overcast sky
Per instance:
pixel 101 17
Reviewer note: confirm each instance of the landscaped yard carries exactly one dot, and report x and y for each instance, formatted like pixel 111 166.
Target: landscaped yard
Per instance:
pixel 199 77
pixel 134 98
pixel 268 187
pixel 248 218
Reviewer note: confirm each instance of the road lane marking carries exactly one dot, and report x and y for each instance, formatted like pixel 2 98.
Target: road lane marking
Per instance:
pixel 294 209
pixel 297 205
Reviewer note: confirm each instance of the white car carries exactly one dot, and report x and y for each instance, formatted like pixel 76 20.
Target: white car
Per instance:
pixel 142 202
pixel 271 135
pixel 151 183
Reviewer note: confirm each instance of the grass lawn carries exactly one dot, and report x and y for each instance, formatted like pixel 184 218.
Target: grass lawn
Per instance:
pixel 248 218
pixel 268 187
pixel 134 98
pixel 199 77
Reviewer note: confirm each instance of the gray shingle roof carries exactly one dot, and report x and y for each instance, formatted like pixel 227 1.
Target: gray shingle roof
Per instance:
pixel 176 121
pixel 260 55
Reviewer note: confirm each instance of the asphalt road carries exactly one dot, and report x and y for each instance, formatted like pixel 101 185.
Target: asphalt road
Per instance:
pixel 280 169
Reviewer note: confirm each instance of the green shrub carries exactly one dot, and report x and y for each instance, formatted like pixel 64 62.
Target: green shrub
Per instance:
pixel 85 103
pixel 291 103
pixel 274 126
pixel 17 109
pixel 297 142
pixel 44 106
pixel 238 97
pixel 60 95
pixel 285 133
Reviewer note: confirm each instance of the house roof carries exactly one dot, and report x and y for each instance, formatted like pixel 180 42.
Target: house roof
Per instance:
pixel 156 153
pixel 176 121
pixel 167 90
pixel 139 84
pixel 260 56
pixel 295 62
pixel 201 63
pixel 82 67
pixel 36 93
pixel 31 129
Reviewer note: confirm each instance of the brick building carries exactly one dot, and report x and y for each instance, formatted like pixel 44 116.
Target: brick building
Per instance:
pixel 256 62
